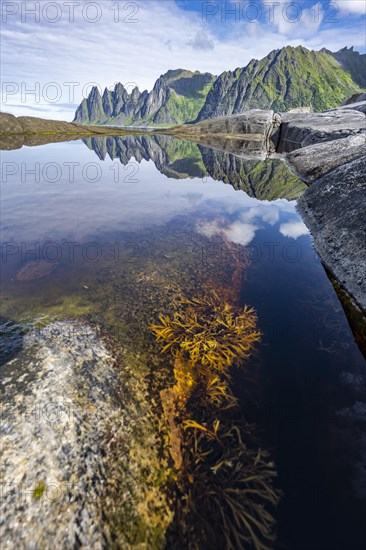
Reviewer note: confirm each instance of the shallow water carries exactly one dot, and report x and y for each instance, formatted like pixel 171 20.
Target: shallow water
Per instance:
pixel 128 223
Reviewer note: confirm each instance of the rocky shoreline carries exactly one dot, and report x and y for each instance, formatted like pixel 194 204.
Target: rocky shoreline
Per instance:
pixel 334 209
pixel 328 153
pixel 32 131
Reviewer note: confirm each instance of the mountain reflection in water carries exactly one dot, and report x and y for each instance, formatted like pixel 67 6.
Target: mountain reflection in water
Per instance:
pixel 268 179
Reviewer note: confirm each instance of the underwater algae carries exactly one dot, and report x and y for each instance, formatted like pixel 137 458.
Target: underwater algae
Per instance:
pixel 150 501
pixel 209 333
pixel 224 479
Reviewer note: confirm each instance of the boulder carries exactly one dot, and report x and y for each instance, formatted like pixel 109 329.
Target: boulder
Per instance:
pixel 301 130
pixel 312 162
pixel 9 124
pixel 334 209
pixel 256 121
pixel 356 98
pixel 249 147
pixel 358 106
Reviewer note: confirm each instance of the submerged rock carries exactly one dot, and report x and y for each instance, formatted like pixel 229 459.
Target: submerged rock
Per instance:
pixel 35 270
pixel 334 209
pixel 59 394
pixel 83 465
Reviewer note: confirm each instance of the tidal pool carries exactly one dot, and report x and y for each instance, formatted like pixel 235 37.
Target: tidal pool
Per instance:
pixel 111 230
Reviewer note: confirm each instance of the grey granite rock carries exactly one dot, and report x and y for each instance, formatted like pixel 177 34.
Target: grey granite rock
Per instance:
pixel 334 209
pixel 314 161
pixel 301 130
pixel 9 124
pixel 59 396
pixel 256 121
pixel 355 106
pixel 356 98
pixel 81 457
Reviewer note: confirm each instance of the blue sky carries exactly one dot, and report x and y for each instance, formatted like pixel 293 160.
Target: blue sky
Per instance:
pixel 60 49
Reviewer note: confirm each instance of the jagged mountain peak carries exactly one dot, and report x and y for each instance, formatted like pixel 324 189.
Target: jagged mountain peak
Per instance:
pixel 292 76
pixel 177 97
pixel 95 93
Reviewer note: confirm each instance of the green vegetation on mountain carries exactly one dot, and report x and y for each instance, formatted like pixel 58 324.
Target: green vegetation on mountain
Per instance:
pixel 352 62
pixel 263 179
pixel 284 79
pixel 180 108
pixel 180 159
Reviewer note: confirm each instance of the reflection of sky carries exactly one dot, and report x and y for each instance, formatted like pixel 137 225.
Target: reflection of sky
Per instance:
pixel 246 216
pixel 122 199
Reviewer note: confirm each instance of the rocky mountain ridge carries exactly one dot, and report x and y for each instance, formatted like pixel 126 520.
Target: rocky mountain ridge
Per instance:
pixel 267 179
pixel 177 96
pixel 284 79
pixel 287 78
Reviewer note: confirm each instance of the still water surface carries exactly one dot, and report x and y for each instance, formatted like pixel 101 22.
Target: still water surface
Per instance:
pixel 123 222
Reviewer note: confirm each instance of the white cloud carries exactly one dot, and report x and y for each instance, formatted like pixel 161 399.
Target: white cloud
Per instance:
pixel 269 215
pixel 237 232
pixel 293 21
pixel 249 217
pixel 240 233
pixel 165 37
pixel 293 229
pixel 352 6
pixel 201 41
